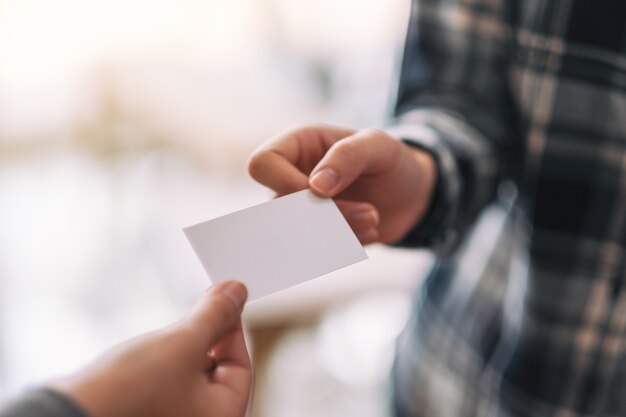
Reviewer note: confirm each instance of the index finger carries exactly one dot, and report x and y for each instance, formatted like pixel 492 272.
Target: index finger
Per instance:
pixel 284 162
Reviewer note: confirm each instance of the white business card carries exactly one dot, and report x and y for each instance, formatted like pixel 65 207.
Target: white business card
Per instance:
pixel 277 244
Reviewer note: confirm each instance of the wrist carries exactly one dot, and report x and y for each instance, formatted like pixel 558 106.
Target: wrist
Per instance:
pixel 426 168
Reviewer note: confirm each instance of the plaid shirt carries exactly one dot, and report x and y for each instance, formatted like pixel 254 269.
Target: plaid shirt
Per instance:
pixel 493 89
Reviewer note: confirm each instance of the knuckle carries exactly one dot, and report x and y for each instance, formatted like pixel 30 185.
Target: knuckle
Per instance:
pixel 225 308
pixel 373 132
pixel 257 163
pixel 299 129
pixel 346 150
pixel 308 131
pixel 377 135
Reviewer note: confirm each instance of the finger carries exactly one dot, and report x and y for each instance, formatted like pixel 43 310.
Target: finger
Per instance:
pixel 218 313
pixel 371 235
pixel 230 378
pixel 284 162
pixel 367 152
pixel 276 172
pixel 363 219
pixel 230 352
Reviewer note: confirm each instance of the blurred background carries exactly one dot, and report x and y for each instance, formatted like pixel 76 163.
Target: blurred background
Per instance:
pixel 123 121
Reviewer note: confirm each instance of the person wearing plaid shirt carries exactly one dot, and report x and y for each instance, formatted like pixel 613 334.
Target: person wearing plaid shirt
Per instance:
pixel 505 87
pixel 510 117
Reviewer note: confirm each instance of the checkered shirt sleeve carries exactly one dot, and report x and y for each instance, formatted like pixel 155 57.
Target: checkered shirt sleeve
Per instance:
pixel 454 102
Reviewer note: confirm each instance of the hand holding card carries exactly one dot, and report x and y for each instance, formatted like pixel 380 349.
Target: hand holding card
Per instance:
pixel 276 245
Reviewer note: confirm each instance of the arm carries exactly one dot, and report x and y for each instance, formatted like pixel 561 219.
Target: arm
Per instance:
pixel 198 366
pixel 457 119
pixel 454 101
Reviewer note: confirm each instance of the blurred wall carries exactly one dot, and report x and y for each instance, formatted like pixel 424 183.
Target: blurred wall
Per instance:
pixel 122 121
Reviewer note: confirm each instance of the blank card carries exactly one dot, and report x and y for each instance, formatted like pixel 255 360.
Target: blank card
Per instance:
pixel 277 244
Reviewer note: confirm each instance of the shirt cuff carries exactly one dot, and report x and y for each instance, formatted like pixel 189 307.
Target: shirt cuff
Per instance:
pixel 43 403
pixel 436 230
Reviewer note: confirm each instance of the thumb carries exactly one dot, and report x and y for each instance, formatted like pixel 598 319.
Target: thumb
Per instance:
pixel 369 151
pixel 218 313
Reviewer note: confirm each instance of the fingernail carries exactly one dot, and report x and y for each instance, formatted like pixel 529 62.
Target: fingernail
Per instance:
pixel 325 180
pixel 368 236
pixel 365 218
pixel 236 292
